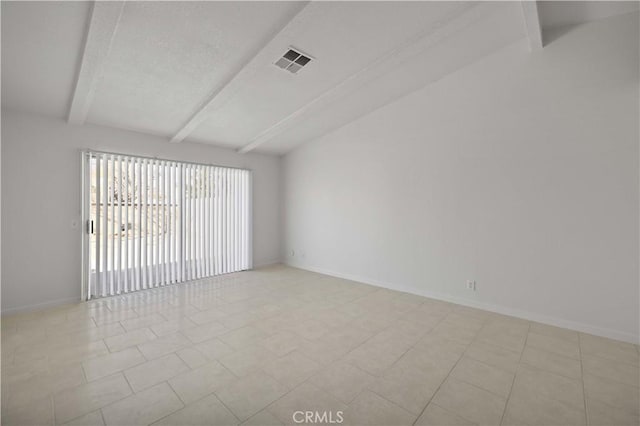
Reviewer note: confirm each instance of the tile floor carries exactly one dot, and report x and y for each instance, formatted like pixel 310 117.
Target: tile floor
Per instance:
pixel 255 347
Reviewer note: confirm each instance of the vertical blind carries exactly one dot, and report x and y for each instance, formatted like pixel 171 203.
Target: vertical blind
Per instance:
pixel 154 222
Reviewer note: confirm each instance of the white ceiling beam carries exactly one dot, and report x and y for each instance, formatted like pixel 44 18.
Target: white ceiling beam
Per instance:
pixel 105 17
pixel 532 24
pixel 273 47
pixel 464 15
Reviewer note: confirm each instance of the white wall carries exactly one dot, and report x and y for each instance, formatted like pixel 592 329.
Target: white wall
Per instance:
pixel 41 198
pixel 519 172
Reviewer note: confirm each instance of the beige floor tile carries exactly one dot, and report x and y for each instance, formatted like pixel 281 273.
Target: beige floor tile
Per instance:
pixel 32 353
pixel 551 331
pixel 204 332
pixel 250 394
pixel 290 329
pixel 282 343
pixel 493 355
pixel 526 407
pixel 423 317
pixel 609 369
pixel 92 334
pixel 323 351
pixel 263 418
pixel 76 353
pixel 306 398
pixel 153 372
pixel 236 321
pixel 247 360
pixel 67 327
pixel 107 317
pixel 508 324
pixel 107 365
pixel 214 348
pixel 554 386
pixel 470 313
pixel 454 331
pixel 413 330
pixel 164 345
pixel 408 387
pixel 172 326
pixel 37 412
pixel 471 319
pixel 291 369
pixel 193 385
pixel 434 415
pixel 610 349
pixel 207 411
pixel 505 336
pixel 420 358
pixel 484 376
pixel 207 316
pixel 599 413
pixel 375 358
pixel 178 310
pixel 552 362
pixel 192 357
pixel 333 318
pixel 371 409
pixel 438 344
pixel 391 337
pixel 126 340
pixel 348 337
pixel 472 403
pixel 311 329
pixel 267 310
pixel 92 419
pixel 16 373
pixel 342 380
pixel 143 408
pixel 40 386
pixel 84 399
pixel 373 322
pixel 612 393
pixel 143 321
pixel 555 345
pixel 242 337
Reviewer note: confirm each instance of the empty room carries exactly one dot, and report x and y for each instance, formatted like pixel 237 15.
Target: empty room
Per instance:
pixel 322 212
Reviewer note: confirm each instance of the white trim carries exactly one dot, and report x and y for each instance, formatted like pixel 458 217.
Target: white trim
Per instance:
pixel 268 263
pixel 532 24
pixel 531 316
pixel 40 306
pixel 105 18
pixel 85 218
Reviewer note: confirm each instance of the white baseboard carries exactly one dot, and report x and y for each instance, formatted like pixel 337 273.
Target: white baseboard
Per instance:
pixel 531 316
pixel 267 263
pixel 39 306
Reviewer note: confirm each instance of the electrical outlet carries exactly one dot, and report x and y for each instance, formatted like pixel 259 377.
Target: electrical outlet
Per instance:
pixel 471 285
pixel 293 253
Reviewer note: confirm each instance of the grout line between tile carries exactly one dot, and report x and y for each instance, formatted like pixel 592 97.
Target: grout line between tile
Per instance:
pixel 584 394
pixel 447 377
pixel 514 375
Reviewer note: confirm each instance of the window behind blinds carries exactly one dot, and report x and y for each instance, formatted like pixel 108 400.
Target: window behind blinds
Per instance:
pixel 155 222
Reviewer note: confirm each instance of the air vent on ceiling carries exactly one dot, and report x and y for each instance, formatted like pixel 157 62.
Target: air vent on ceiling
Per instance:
pixel 293 61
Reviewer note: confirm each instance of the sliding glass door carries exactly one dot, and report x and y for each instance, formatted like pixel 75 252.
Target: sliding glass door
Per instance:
pixel 152 222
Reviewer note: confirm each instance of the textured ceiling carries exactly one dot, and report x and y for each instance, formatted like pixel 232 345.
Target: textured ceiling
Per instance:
pixel 203 71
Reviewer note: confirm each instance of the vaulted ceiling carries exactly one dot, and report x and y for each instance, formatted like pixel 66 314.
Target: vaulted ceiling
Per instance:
pixel 204 71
